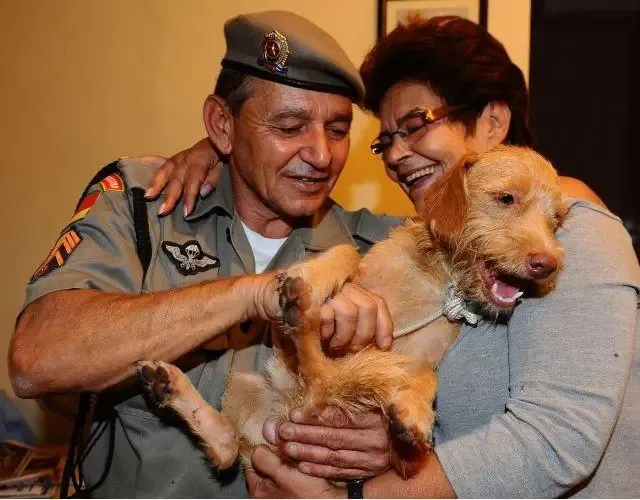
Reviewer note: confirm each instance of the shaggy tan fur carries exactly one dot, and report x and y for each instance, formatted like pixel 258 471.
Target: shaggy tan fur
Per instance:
pixel 489 222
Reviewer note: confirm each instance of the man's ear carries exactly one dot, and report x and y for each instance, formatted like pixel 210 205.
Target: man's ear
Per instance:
pixel 496 118
pixel 218 121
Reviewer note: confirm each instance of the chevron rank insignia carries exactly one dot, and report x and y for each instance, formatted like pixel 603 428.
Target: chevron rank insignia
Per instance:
pixel 189 258
pixel 63 248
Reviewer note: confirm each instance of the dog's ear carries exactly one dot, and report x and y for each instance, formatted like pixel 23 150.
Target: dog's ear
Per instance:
pixel 445 207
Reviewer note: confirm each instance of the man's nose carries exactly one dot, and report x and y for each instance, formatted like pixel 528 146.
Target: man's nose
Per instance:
pixel 317 152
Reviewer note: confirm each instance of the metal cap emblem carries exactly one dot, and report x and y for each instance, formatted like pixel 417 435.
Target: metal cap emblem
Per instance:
pixel 274 52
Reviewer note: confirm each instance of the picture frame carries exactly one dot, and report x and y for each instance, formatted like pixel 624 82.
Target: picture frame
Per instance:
pixel 392 12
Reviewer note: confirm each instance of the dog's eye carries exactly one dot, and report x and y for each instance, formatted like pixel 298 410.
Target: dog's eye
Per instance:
pixel 505 198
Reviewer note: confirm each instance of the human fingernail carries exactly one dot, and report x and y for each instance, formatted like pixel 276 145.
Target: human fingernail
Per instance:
pixel 287 432
pixel 186 210
pixel 296 416
pixel 162 208
pixel 304 468
pixel 205 190
pixel 269 431
pixel 292 450
pixel 356 347
pixel 148 192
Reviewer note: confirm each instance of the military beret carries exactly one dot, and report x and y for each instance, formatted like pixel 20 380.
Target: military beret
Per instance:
pixel 286 48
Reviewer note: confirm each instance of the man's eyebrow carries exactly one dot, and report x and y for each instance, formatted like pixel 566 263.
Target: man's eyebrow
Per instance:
pixel 342 117
pixel 301 114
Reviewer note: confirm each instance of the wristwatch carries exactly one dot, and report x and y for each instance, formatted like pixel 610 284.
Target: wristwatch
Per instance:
pixel 355 488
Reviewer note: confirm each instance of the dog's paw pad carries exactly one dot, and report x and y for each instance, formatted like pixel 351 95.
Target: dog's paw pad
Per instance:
pixel 157 380
pixel 294 297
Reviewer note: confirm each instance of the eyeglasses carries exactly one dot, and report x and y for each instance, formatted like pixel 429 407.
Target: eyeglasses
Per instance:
pixel 412 127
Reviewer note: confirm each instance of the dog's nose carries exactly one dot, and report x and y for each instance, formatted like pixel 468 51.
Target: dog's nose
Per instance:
pixel 542 265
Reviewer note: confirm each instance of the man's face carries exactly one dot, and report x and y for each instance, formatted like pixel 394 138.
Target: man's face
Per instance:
pixel 289 147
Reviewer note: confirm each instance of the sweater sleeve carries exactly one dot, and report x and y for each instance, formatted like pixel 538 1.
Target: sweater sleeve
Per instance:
pixel 570 357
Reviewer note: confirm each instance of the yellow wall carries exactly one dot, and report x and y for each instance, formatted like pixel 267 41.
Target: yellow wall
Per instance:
pixel 83 82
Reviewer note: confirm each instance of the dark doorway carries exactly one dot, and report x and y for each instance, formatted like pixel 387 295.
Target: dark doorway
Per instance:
pixel 585 104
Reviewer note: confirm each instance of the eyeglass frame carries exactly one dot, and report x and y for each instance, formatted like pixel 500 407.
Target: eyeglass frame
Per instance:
pixel 430 116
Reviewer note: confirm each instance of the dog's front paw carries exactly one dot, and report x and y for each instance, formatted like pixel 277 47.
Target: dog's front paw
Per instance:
pixel 326 273
pixel 294 297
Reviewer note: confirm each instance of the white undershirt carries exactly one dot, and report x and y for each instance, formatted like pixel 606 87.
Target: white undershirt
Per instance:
pixel 264 249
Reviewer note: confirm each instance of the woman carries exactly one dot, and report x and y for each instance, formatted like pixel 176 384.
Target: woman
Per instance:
pixel 544 406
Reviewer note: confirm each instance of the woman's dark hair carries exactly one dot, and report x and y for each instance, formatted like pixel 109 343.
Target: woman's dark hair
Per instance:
pixel 460 61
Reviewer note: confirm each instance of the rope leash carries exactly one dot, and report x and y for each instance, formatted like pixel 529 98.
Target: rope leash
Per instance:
pixel 453 308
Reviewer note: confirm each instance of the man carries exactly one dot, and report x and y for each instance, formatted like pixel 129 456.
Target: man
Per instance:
pixel 123 284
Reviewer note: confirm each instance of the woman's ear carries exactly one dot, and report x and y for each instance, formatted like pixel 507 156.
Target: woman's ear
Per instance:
pixel 218 121
pixel 496 118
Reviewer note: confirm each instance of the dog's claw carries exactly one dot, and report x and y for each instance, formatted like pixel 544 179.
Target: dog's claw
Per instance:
pixel 408 435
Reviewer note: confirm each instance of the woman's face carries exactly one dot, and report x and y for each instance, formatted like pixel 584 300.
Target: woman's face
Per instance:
pixel 416 167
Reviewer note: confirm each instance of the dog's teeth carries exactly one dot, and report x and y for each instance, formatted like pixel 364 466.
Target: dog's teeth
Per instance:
pixel 509 300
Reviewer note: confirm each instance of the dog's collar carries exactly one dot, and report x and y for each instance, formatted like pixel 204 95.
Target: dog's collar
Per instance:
pixel 454 307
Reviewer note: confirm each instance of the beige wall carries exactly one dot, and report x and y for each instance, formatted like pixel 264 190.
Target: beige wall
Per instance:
pixel 84 82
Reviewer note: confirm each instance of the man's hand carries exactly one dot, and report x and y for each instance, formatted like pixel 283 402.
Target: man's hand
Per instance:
pixel 271 478
pixel 196 170
pixel 329 446
pixel 354 318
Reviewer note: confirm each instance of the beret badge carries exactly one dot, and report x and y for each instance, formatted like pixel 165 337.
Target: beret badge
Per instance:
pixel 274 52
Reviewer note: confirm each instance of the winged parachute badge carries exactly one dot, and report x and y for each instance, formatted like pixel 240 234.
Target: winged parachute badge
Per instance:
pixel 189 258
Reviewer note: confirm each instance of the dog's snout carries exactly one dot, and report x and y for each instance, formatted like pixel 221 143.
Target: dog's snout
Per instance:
pixel 542 265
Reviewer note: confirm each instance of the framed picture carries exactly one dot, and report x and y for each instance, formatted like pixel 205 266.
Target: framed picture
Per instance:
pixel 393 12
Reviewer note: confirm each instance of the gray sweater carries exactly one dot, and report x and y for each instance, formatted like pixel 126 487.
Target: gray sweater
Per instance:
pixel 549 404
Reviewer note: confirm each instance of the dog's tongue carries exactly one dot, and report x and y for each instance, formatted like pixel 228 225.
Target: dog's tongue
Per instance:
pixel 507 291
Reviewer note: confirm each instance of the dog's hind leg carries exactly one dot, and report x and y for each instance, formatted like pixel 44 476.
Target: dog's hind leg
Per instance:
pixel 399 386
pixel 168 387
pixel 411 420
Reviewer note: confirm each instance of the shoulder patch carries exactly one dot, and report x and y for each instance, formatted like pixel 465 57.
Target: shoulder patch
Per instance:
pixel 85 205
pixel 112 182
pixel 63 248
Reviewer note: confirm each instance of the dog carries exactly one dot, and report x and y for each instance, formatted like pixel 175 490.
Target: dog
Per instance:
pixel 486 238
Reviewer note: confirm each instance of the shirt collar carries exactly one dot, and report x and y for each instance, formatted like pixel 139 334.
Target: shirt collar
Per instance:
pixel 221 197
pixel 326 229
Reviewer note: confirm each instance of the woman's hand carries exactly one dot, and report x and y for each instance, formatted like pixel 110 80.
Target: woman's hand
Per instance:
pixel 189 173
